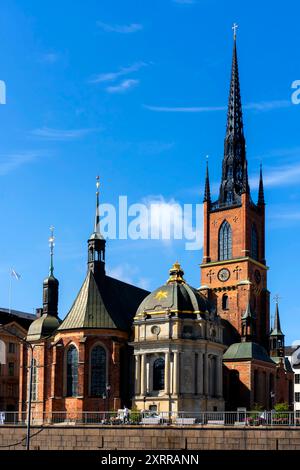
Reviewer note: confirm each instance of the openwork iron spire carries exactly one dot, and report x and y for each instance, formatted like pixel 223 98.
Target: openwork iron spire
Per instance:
pixel 207 186
pixel 261 195
pixel 234 170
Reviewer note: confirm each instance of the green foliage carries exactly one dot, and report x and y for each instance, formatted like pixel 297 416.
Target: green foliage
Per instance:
pixel 281 407
pixel 257 407
pixel 135 415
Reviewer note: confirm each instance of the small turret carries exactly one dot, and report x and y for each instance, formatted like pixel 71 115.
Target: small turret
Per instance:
pixel 276 335
pixel 96 243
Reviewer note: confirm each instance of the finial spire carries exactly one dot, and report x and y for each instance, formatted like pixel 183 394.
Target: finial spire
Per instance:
pixel 261 195
pixel 207 185
pixel 245 187
pixel 51 245
pixel 234 27
pixel 233 178
pixel 276 327
pixel 97 215
pixel 176 274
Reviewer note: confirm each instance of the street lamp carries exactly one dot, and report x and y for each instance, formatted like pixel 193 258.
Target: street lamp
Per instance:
pixel 272 396
pixel 31 347
pixel 105 396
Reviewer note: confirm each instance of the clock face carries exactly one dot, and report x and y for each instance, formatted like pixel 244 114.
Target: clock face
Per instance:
pixel 257 276
pixel 223 275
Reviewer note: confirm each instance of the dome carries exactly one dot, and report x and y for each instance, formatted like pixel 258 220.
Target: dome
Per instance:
pixel 42 327
pixel 176 296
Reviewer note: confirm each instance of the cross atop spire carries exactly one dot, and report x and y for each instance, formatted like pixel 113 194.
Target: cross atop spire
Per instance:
pixel 51 245
pixel 97 215
pixel 234 27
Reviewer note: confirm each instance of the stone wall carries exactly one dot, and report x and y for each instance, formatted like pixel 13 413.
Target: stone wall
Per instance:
pixel 150 438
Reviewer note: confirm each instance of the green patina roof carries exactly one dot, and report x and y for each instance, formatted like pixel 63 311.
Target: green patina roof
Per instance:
pixel 246 350
pixel 176 295
pixel 42 327
pixel 109 304
pixel 88 310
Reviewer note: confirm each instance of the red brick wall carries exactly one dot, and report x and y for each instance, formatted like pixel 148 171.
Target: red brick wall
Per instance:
pixel 241 267
pixel 250 394
pixel 51 360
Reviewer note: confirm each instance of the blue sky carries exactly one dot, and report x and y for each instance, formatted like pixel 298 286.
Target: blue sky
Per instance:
pixel 135 91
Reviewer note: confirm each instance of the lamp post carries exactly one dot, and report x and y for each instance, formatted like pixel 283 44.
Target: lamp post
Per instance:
pixel 31 347
pixel 105 396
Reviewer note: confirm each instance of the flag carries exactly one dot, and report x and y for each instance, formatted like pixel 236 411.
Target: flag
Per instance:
pixel 15 274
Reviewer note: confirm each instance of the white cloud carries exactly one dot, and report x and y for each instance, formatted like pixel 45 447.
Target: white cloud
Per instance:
pixel 282 176
pixel 130 274
pixel 50 58
pixel 122 29
pixel 124 86
pixel 167 220
pixel 259 106
pixel 268 105
pixel 111 76
pixel 10 162
pixel 48 133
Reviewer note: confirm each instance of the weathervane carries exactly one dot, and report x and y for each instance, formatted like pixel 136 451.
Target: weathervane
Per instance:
pixel 234 27
pixel 51 245
pixel 97 215
pixel 276 298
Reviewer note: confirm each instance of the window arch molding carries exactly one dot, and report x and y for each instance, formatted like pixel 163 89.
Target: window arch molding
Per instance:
pixel 225 241
pixel 68 373
pixel 98 344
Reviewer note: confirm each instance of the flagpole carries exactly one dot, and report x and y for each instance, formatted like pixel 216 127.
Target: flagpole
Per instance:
pixel 10 291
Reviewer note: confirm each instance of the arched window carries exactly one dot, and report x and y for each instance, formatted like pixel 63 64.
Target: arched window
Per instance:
pixel 225 302
pixel 34 388
pixel 254 243
pixel 159 374
pixel 72 372
pixel 98 371
pixel 225 241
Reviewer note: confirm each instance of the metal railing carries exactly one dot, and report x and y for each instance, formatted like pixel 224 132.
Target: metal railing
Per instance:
pixel 205 418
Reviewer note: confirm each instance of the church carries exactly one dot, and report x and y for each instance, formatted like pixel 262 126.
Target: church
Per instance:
pixel 177 348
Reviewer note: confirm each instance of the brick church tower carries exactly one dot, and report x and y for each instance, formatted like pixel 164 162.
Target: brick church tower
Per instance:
pixel 234 271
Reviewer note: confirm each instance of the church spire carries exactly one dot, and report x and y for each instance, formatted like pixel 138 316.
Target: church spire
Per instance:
pixel 276 335
pixel 51 245
pixel 261 196
pixel 234 169
pixel 248 324
pixel 96 242
pixel 50 284
pixel 207 186
pixel 97 214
